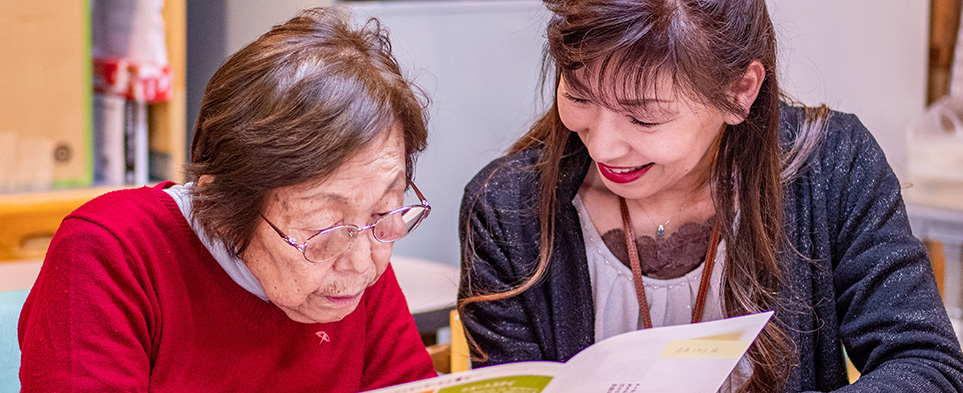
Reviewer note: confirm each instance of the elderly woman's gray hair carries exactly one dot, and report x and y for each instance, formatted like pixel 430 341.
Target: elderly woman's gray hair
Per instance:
pixel 291 108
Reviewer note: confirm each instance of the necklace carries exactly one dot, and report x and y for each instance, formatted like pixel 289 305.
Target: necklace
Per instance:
pixel 661 230
pixel 633 252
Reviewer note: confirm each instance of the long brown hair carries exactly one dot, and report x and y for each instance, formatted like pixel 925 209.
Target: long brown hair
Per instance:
pixel 704 47
pixel 292 107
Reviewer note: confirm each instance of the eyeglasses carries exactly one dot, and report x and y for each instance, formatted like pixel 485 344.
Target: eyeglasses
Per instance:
pixel 331 242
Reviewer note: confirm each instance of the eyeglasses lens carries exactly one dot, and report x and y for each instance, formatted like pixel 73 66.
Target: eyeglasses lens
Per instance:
pixel 388 229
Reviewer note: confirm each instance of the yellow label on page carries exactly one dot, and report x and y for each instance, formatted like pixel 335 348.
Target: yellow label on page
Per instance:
pixel 721 337
pixel 705 349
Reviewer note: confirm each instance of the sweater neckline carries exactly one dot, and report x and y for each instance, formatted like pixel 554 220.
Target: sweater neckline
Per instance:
pixel 248 303
pixel 232 265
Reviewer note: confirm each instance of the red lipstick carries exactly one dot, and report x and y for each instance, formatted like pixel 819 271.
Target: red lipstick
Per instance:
pixel 622 175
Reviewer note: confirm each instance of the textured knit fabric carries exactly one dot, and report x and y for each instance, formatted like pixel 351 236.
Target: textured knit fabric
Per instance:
pixel 860 278
pixel 129 300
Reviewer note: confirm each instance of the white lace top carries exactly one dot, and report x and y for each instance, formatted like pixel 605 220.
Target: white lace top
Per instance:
pixel 670 300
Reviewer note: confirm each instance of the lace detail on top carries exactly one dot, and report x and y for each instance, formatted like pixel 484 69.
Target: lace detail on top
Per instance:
pixel 664 258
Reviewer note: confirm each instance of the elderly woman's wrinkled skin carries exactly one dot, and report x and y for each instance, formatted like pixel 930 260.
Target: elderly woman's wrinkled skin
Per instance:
pixel 371 183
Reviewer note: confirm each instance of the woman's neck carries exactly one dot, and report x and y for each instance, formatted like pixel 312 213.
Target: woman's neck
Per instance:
pixel 671 207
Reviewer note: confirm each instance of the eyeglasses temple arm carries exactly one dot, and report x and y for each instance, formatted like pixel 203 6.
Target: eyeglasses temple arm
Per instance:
pixel 289 240
pixel 421 196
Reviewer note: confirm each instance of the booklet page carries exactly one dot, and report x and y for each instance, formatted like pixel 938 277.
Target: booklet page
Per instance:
pixel 686 358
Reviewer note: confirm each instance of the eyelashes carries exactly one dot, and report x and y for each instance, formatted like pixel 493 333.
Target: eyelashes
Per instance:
pixel 633 120
pixel 575 100
pixel 641 123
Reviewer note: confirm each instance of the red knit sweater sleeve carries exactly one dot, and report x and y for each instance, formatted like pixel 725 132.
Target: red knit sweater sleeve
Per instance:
pixel 394 352
pixel 86 324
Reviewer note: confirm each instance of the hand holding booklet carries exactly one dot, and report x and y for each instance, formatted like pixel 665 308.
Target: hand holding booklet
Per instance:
pixel 686 358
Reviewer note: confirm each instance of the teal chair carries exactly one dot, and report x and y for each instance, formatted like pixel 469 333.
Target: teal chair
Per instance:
pixel 11 302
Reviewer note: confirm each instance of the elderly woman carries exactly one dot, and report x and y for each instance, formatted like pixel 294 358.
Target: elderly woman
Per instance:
pixel 269 271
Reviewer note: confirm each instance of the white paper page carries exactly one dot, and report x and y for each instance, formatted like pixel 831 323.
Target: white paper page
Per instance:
pixel 527 377
pixel 662 359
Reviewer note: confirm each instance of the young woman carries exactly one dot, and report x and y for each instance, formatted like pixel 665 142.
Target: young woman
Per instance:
pixel 668 137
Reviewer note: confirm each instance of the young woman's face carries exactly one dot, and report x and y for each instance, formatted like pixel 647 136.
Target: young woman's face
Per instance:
pixel 655 146
pixel 363 189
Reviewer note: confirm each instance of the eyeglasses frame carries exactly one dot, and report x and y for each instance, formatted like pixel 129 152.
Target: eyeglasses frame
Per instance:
pixel 358 230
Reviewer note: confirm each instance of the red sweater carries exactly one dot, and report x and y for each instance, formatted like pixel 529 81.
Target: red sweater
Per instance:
pixel 128 299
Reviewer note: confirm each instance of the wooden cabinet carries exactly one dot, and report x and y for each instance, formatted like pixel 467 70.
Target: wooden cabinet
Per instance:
pixel 46 92
pixel 944 24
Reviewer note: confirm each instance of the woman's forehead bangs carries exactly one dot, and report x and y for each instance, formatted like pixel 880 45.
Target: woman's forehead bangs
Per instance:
pixel 626 81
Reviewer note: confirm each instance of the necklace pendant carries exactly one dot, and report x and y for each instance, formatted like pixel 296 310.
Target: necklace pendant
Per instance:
pixel 661 231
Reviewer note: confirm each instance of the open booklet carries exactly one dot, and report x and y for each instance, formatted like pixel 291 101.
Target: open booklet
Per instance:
pixel 686 358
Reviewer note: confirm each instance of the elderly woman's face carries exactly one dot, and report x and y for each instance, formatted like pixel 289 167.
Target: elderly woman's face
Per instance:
pixel 366 186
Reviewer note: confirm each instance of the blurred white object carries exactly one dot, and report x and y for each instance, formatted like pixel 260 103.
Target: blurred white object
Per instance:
pixel 430 288
pixel 427 285
pixel 129 29
pixel 935 142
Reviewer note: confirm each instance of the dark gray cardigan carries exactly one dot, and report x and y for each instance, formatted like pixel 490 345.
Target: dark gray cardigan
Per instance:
pixel 867 283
